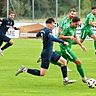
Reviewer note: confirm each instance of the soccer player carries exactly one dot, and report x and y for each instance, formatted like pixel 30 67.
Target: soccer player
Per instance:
pixel 58 60
pixel 47 52
pixel 5 25
pixel 69 35
pixel 67 20
pixel 88 24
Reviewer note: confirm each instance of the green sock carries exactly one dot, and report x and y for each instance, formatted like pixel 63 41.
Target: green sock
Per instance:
pixel 80 70
pixel 95 44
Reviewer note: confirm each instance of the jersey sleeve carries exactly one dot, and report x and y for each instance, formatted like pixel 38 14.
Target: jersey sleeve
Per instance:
pixel 4 21
pixel 40 34
pixel 55 39
pixel 61 23
pixel 91 18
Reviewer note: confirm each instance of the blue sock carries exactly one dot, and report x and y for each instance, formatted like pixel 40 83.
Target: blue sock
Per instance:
pixel 34 72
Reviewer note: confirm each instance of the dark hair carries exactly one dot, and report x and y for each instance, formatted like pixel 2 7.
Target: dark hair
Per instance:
pixel 93 8
pixel 11 12
pixel 75 19
pixel 72 10
pixel 50 20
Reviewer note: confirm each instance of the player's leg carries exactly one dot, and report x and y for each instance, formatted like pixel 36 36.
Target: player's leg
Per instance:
pixel 67 55
pixel 79 66
pixel 63 63
pixel 83 35
pixel 44 66
pixel 80 70
pixel 72 57
pixel 8 44
pixel 1 42
pixel 82 40
pixel 55 63
pixel 35 72
pixel 58 59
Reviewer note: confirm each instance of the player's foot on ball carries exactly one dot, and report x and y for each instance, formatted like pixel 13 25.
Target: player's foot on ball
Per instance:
pixel 84 80
pixel 20 70
pixel 66 82
pixel 1 53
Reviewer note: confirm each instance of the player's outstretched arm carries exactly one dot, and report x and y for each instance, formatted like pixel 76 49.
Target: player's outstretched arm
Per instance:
pixel 57 40
pixel 80 44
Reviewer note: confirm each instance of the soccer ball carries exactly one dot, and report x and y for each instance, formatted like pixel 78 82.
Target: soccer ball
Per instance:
pixel 91 83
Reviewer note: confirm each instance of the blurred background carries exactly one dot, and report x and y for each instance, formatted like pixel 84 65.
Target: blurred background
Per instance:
pixel 32 10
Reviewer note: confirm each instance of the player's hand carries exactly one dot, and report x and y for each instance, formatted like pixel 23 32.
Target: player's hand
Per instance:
pixel 38 34
pixel 66 43
pixel 84 48
pixel 16 28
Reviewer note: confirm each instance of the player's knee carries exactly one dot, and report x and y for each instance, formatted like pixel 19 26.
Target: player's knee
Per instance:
pixel 82 40
pixel 11 42
pixel 78 62
pixel 42 74
pixel 62 61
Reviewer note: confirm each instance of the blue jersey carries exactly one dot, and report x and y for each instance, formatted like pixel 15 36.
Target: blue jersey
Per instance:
pixel 47 50
pixel 6 23
pixel 48 40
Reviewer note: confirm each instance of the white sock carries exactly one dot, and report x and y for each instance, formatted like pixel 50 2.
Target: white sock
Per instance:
pixel 25 69
pixel 66 79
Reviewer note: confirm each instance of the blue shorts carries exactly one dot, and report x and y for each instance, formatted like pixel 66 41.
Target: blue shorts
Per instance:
pixel 45 62
pixel 45 58
pixel 55 57
pixel 4 38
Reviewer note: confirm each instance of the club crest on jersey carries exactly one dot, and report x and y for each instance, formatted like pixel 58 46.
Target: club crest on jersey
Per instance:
pixel 8 22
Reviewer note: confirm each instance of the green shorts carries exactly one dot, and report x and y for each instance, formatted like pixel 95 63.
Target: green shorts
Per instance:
pixel 69 55
pixel 86 32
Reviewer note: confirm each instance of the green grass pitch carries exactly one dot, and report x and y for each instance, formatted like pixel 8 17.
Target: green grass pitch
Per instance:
pixel 26 52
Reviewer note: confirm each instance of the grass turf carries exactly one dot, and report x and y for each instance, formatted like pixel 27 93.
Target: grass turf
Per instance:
pixel 26 52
